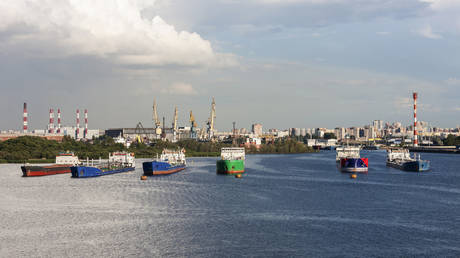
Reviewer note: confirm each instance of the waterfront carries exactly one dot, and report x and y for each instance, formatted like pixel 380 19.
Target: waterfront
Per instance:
pixel 285 205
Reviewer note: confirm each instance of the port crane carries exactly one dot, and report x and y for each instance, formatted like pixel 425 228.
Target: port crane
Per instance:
pixel 156 121
pixel 140 132
pixel 193 126
pixel 174 125
pixel 211 120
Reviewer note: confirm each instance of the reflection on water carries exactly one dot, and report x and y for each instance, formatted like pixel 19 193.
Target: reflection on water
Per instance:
pixel 285 205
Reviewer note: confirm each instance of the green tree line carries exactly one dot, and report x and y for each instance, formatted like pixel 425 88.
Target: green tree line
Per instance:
pixel 29 148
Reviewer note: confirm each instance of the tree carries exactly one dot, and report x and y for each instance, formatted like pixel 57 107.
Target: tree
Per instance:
pixel 328 136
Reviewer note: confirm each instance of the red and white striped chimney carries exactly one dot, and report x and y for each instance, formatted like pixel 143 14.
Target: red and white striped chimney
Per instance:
pixel 415 119
pixel 86 124
pixel 51 125
pixel 77 130
pixel 59 121
pixel 24 116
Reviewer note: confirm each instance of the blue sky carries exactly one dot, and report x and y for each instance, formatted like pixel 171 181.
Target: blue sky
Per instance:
pixel 290 63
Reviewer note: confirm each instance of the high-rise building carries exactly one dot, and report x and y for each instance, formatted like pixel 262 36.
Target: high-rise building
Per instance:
pixel 378 125
pixel 257 129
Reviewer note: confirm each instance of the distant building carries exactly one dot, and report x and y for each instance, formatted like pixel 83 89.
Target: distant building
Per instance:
pixel 256 142
pixel 303 132
pixel 257 129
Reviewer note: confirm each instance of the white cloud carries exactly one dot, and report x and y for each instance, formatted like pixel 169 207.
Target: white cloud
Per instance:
pixel 180 88
pixel 427 32
pixel 108 29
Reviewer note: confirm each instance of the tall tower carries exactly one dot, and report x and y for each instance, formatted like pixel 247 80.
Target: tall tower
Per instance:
pixel 77 130
pixel 59 121
pixel 85 133
pixel 51 124
pixel 415 119
pixel 24 116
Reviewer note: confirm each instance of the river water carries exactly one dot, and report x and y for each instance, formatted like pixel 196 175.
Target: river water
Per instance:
pixel 285 205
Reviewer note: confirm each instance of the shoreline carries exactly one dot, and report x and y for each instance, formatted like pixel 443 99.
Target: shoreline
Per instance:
pixel 52 161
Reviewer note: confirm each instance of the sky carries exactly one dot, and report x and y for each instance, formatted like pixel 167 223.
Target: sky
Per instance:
pixel 282 63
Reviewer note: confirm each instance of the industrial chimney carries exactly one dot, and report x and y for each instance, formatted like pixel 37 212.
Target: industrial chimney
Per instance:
pixel 24 116
pixel 415 119
pixel 59 121
pixel 51 124
pixel 77 130
pixel 86 124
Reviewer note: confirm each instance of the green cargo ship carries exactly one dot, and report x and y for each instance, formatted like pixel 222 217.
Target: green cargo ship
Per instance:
pixel 232 161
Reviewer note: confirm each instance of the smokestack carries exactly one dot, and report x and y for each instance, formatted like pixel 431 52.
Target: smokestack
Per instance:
pixel 24 116
pixel 415 119
pixel 86 124
pixel 59 121
pixel 51 125
pixel 77 130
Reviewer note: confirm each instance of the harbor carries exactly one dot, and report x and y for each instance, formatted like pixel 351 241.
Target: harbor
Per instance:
pixel 307 208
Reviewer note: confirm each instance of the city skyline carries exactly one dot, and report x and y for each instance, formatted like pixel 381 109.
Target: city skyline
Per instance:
pixel 300 63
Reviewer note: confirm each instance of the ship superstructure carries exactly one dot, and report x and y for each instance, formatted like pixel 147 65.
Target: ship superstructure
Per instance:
pixel 232 161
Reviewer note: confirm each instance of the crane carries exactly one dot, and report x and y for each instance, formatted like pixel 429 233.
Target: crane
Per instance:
pixel 174 125
pixel 140 132
pixel 156 121
pixel 193 126
pixel 211 120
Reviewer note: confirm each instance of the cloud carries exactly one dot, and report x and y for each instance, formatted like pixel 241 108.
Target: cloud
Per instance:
pixel 427 32
pixel 114 30
pixel 180 88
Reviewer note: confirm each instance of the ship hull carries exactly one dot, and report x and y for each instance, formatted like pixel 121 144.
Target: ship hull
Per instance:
pixel 353 165
pixel 411 166
pixel 83 171
pixel 28 171
pixel 230 167
pixel 158 168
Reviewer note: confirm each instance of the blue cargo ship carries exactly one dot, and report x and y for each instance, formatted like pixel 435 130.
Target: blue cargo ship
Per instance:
pixel 401 159
pixel 170 162
pixel 118 162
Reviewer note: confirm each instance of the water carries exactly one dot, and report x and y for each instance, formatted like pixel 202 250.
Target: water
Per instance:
pixel 286 205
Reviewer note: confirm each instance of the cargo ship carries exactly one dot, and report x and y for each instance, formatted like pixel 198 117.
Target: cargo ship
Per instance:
pixel 64 161
pixel 349 160
pixel 231 162
pixel 118 162
pixel 401 159
pixel 170 161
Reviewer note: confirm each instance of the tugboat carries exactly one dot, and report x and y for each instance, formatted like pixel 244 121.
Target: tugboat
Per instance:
pixel 170 161
pixel 64 161
pixel 118 162
pixel 348 160
pixel 401 159
pixel 231 162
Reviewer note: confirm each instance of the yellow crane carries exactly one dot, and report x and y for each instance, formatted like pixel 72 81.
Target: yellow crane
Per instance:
pixel 193 126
